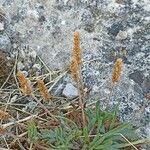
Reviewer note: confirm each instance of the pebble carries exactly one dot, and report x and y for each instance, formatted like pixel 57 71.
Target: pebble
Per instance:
pixel 33 14
pixel 20 66
pixel 122 35
pixel 1 26
pixel 70 91
pixel 14 98
pixel 37 66
pixel 32 54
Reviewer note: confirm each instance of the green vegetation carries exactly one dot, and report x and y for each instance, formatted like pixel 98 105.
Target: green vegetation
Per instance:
pixel 103 131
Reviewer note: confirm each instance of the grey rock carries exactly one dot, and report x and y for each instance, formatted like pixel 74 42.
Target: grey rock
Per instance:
pixel 5 44
pixel 59 89
pixel 137 76
pixel 109 29
pixel 115 28
pixel 70 91
pixel 146 84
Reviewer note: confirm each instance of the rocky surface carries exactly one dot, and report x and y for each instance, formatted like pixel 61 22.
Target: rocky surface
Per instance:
pixel 109 29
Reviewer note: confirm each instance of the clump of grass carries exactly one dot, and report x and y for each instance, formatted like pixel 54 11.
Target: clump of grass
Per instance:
pixel 103 131
pixel 32 131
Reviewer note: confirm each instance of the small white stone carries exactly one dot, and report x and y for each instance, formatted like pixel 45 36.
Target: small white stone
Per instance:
pixel 37 66
pixel 25 73
pixel 20 66
pixel 14 45
pixel 1 26
pixel 33 14
pixel 95 88
pixel 70 91
pixel 147 18
pixel 122 35
pixel 63 22
pixel 32 54
pixel 107 91
pixel 14 98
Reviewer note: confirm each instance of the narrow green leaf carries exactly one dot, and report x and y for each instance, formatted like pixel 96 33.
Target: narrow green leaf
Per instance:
pixel 86 135
pixel 32 131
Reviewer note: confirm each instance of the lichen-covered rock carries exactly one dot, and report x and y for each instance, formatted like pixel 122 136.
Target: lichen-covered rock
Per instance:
pixel 109 29
pixel 5 44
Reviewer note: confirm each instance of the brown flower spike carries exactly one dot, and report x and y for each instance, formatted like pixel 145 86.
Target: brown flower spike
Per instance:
pixel 117 70
pixel 74 69
pixel 43 90
pixel 4 115
pixel 148 96
pixel 24 83
pixel 2 130
pixel 76 48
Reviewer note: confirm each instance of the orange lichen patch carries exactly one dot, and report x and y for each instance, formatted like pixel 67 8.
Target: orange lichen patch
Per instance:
pixel 117 70
pixel 74 69
pixel 4 115
pixel 24 83
pixel 43 90
pixel 76 48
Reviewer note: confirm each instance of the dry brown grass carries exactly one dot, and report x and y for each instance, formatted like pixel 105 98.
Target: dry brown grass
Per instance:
pixel 5 68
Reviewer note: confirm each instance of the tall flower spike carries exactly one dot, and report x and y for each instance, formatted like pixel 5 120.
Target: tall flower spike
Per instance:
pixel 117 70
pixel 74 69
pixel 24 83
pixel 43 90
pixel 76 48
